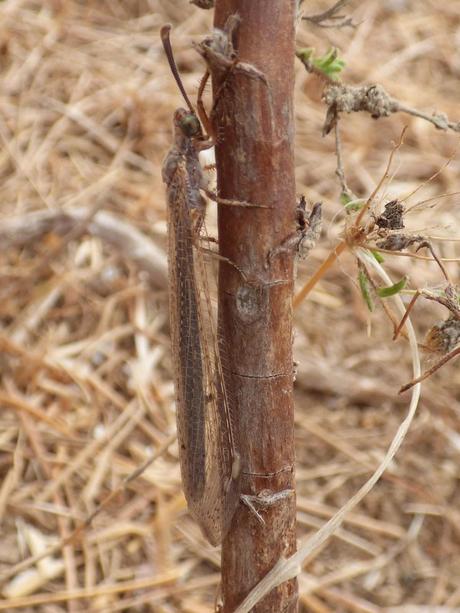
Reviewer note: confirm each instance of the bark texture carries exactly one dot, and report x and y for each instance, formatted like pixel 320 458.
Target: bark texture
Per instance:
pixel 255 163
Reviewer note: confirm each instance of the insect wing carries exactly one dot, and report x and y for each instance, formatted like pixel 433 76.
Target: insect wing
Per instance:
pixel 205 434
pixel 221 444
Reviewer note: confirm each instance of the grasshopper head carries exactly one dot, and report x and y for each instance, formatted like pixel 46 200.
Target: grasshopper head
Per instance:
pixel 188 123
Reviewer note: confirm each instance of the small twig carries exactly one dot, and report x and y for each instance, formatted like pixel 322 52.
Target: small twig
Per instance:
pixel 339 170
pixel 422 185
pixel 428 245
pixel 452 354
pixel 439 120
pixel 406 315
pixel 446 302
pixel 407 254
pixel 338 21
pixel 420 204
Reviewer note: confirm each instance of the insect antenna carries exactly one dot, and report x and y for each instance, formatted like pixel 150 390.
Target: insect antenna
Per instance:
pixel 164 33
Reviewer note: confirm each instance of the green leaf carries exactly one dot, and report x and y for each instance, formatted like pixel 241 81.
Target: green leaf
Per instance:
pixel 328 59
pixel 344 199
pixel 365 291
pixel 354 205
pixel 378 256
pixel 349 203
pixel 385 292
pixel 305 54
pixel 329 64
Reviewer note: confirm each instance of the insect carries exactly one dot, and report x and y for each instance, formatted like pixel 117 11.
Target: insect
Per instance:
pixel 209 460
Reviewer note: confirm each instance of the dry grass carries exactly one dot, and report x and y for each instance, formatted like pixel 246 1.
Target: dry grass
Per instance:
pixel 87 397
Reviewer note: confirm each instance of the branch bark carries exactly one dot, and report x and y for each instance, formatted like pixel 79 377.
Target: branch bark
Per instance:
pixel 255 163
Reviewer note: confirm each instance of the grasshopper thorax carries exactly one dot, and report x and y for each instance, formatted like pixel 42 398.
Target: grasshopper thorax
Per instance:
pixel 188 123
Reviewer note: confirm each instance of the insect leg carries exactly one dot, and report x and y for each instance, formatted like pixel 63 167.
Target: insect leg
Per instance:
pixel 228 202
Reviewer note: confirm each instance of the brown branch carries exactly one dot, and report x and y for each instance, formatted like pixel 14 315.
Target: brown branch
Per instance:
pixel 255 163
pixel 452 354
pixel 331 14
pixel 409 308
pixel 340 170
pixel 373 99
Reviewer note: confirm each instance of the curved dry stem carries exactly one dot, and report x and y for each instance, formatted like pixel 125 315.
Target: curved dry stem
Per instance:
pixel 422 202
pixel 289 568
pixel 408 254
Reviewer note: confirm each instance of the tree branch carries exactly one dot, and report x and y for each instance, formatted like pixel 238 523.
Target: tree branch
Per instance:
pixel 331 15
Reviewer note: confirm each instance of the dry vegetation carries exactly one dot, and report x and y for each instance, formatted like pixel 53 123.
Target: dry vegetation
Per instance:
pixel 86 396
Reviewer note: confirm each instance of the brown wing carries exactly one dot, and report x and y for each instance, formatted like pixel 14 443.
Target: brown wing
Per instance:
pixel 206 446
pixel 222 459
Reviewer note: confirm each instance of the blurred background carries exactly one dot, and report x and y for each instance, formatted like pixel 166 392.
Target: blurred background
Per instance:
pixel 86 101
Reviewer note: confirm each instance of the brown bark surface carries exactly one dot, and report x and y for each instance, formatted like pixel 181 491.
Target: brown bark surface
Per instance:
pixel 255 163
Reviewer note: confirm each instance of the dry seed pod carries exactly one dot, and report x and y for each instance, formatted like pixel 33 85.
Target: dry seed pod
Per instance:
pixel 392 217
pixel 308 231
pixel 444 336
pixel 309 227
pixel 398 242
